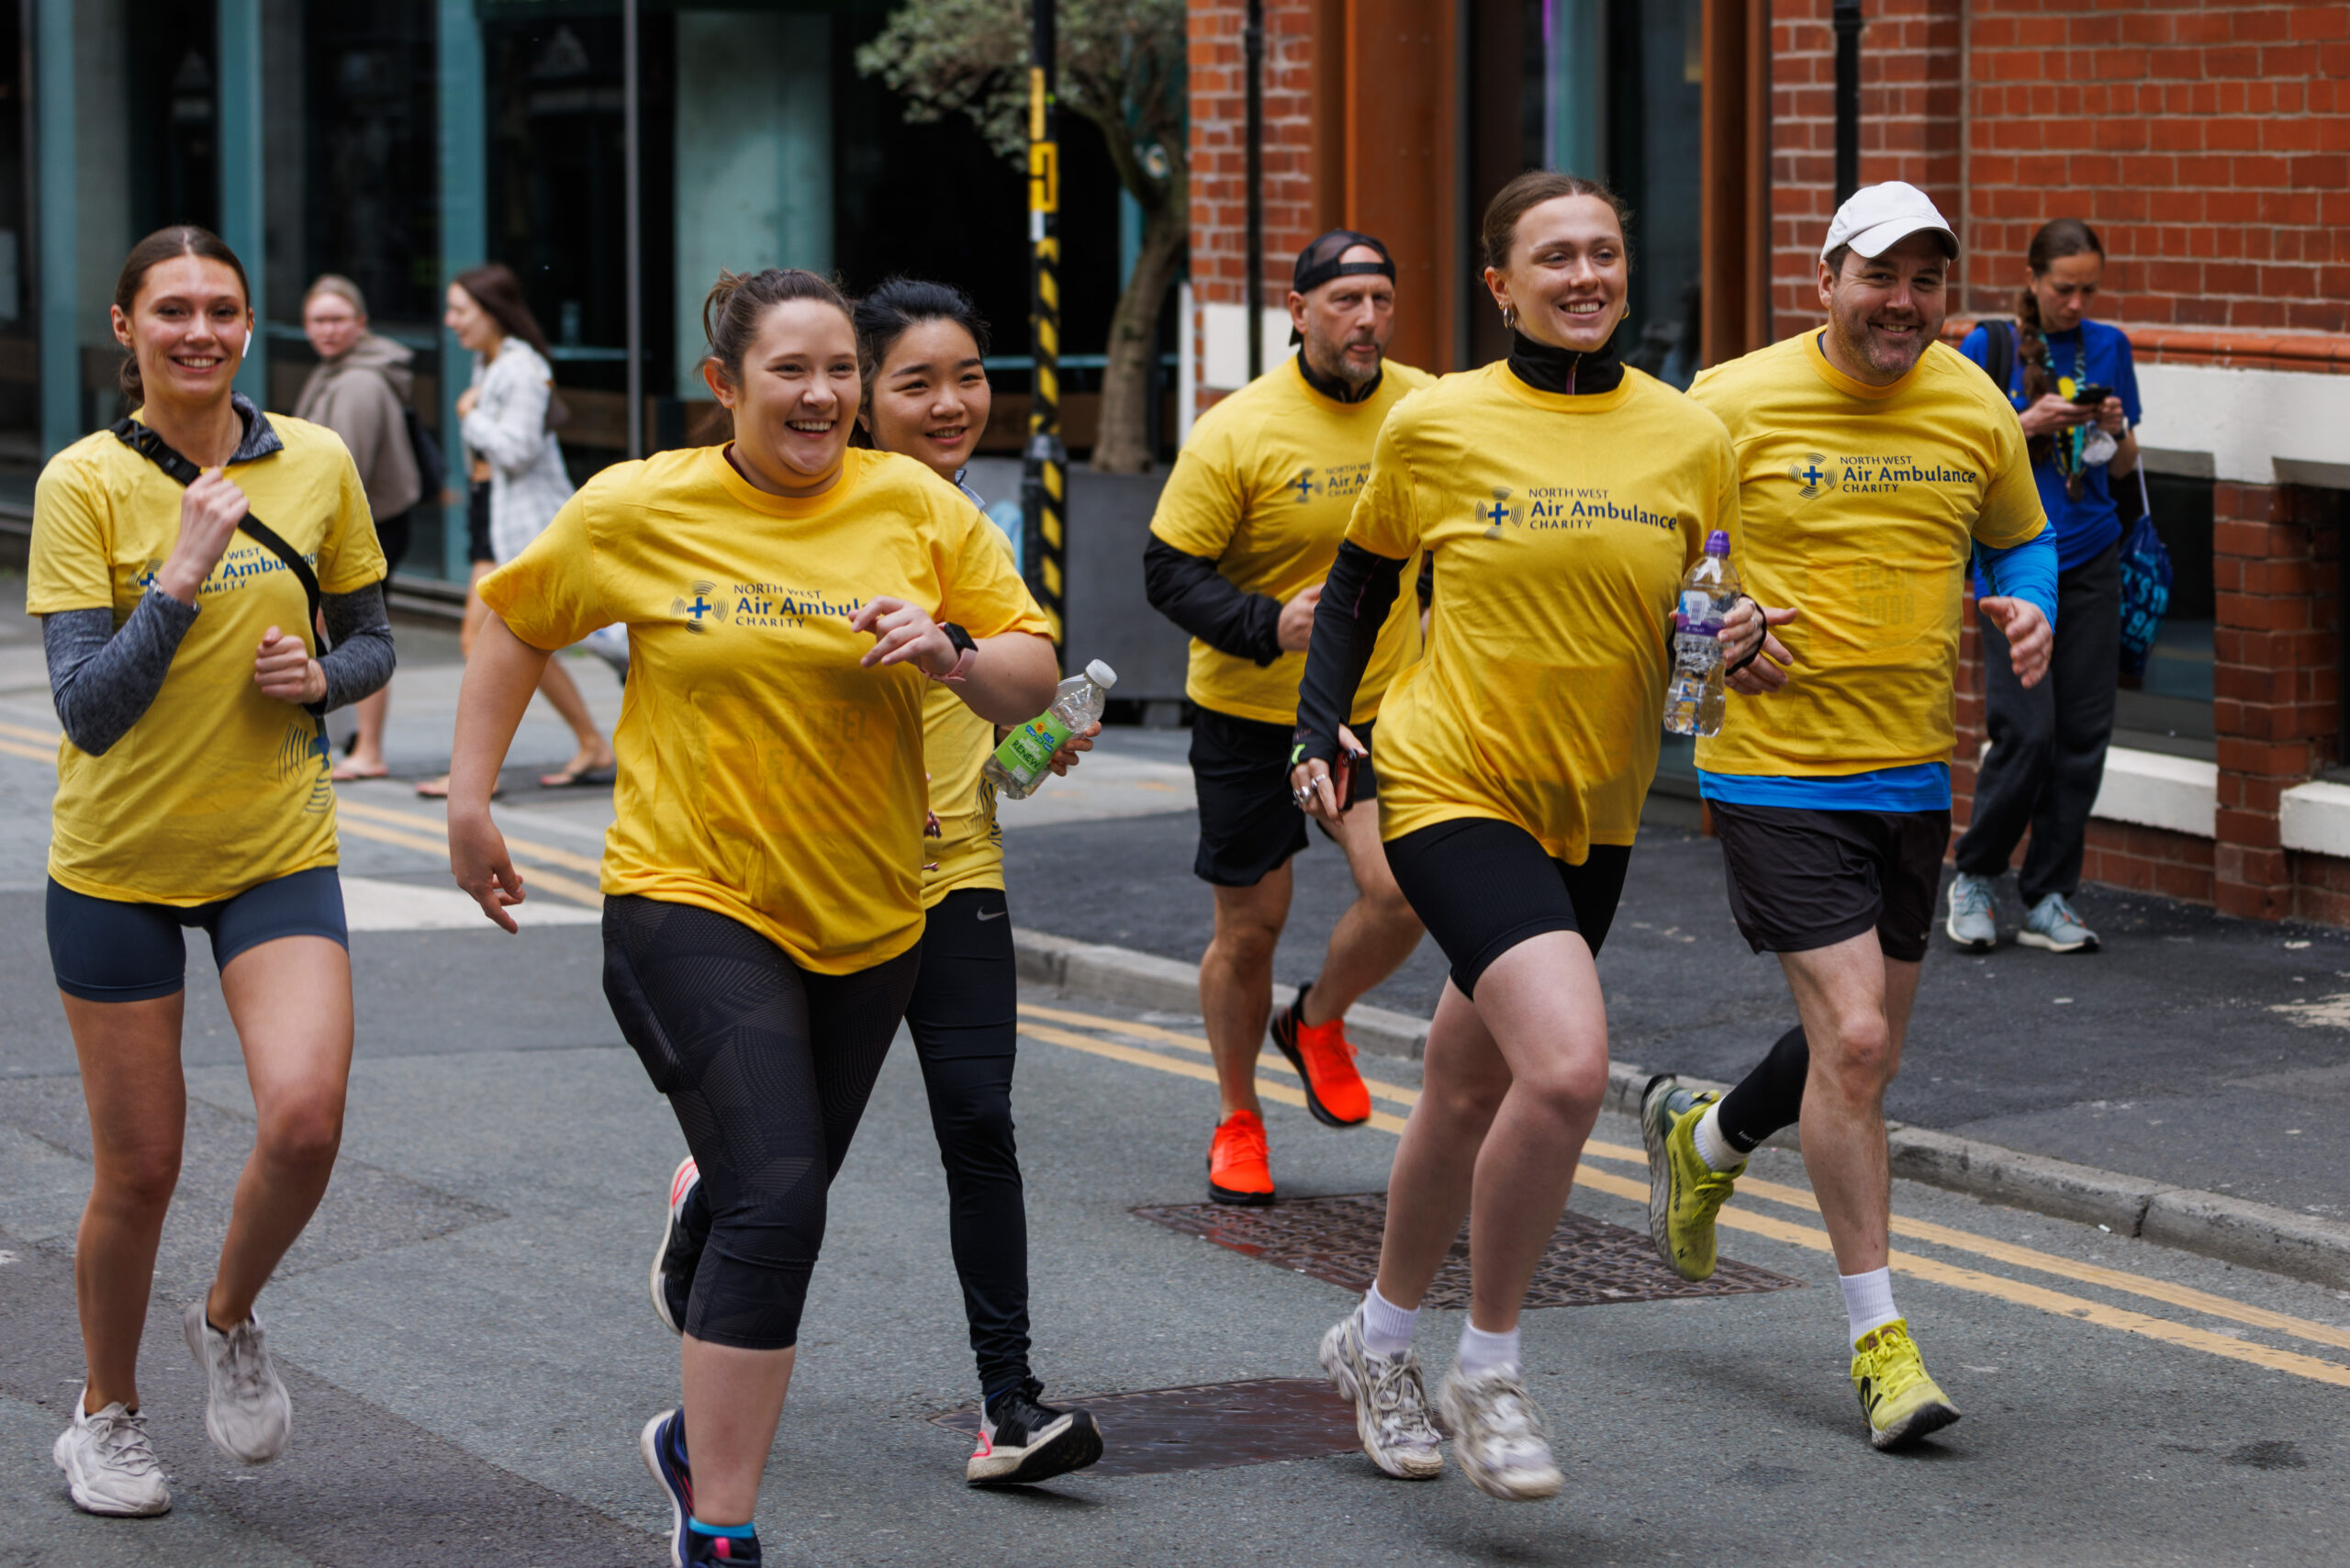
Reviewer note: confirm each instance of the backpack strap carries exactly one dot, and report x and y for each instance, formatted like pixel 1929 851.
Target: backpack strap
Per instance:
pixel 142 439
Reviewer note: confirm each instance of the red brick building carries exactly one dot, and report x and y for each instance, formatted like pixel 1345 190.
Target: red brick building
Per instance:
pixel 2209 144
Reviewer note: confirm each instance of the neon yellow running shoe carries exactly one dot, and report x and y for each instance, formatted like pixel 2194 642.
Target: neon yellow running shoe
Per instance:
pixel 1684 1193
pixel 1902 1404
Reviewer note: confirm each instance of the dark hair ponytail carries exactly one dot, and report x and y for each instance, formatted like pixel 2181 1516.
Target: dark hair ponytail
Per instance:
pixel 884 315
pixel 179 239
pixel 737 302
pixel 2063 237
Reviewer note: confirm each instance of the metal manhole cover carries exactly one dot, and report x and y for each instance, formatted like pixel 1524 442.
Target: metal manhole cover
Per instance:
pixel 1336 1240
pixel 1211 1425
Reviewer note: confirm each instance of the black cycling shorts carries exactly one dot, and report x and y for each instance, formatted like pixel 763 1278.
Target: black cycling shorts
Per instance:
pixel 1801 879
pixel 111 950
pixel 1249 824
pixel 478 525
pixel 1482 886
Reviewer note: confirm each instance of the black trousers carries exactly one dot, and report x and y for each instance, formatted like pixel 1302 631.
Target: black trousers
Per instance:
pixel 2048 743
pixel 768 1068
pixel 964 1016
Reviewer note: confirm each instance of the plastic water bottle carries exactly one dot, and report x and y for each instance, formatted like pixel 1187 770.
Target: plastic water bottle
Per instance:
pixel 1026 758
pixel 1693 697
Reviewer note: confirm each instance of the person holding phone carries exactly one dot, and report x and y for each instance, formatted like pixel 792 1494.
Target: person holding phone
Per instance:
pixel 193 790
pixel 1563 495
pixel 2076 390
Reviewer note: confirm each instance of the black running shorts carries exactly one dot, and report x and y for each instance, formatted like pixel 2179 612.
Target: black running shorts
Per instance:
pixel 1801 879
pixel 1483 886
pixel 109 950
pixel 1249 824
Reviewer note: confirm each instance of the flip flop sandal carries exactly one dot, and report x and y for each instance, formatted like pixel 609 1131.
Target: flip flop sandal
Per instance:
pixel 583 778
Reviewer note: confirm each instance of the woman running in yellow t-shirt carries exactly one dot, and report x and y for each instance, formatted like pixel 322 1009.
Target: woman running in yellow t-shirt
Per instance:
pixel 785 596
pixel 192 790
pixel 926 395
pixel 1561 497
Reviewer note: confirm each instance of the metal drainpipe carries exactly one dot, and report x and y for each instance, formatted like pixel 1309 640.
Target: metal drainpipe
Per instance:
pixel 1848 98
pixel 1252 49
pixel 633 202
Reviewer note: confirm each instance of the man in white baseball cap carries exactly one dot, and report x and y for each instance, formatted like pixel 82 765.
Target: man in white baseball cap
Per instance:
pixel 1874 460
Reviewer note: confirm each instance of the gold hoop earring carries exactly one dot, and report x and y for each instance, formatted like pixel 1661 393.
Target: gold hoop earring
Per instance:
pixel 1509 317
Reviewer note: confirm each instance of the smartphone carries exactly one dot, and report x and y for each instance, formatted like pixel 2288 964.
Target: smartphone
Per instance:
pixel 2092 396
pixel 1342 776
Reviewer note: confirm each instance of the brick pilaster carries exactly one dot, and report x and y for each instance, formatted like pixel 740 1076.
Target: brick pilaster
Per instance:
pixel 2276 651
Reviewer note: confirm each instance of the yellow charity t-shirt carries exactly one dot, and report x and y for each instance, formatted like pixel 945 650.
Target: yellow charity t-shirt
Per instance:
pixel 1857 504
pixel 957 742
pixel 1561 527
pixel 763 774
pixel 215 788
pixel 1264 488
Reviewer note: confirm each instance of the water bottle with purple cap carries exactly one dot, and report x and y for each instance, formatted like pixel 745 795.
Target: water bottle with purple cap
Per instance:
pixel 1694 696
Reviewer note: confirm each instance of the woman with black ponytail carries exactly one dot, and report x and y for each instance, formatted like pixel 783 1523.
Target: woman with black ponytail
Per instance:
pixel 2076 390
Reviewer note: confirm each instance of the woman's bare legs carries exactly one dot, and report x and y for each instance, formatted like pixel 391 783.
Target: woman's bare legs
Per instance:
pixel 1514 1082
pixel 130 1054
pixel 290 999
pixel 733 1401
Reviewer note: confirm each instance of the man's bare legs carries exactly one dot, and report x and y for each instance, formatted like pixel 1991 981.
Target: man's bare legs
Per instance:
pixel 1854 1003
pixel 1374 935
pixel 1236 983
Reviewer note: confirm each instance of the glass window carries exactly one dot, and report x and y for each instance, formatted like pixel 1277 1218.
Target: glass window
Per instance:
pixel 2169 710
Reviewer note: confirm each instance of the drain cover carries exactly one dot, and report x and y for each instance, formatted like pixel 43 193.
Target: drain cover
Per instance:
pixel 1211 1425
pixel 1336 1240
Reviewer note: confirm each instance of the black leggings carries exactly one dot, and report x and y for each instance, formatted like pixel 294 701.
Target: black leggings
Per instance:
pixel 963 1017
pixel 768 1068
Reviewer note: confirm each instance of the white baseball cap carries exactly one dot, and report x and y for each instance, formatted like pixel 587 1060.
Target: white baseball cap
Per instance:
pixel 1875 219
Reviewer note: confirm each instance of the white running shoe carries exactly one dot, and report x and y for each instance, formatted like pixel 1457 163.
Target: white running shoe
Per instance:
pixel 246 1409
pixel 1391 1402
pixel 109 1466
pixel 1498 1436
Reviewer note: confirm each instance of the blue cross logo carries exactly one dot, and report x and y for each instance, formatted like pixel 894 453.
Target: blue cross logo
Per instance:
pixel 1810 476
pixel 147 579
pixel 1303 485
pixel 700 607
pixel 1496 514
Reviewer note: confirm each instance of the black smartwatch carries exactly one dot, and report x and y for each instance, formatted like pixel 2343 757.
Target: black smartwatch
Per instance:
pixel 967 652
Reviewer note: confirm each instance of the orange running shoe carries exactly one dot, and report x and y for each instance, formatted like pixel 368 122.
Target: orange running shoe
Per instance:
pixel 1239 1169
pixel 1325 1058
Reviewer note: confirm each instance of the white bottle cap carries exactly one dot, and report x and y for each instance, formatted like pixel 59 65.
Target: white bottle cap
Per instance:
pixel 1100 675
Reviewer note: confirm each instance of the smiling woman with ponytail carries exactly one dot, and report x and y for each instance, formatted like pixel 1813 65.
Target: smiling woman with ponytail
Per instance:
pixel 2047 757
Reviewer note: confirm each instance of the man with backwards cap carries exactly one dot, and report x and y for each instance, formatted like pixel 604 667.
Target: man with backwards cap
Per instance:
pixel 1246 531
pixel 1873 461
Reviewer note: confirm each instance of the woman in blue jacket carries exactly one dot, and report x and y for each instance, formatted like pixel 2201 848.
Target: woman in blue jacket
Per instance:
pixel 2047 755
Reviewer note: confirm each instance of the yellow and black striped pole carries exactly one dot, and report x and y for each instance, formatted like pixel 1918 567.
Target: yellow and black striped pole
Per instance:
pixel 1044 484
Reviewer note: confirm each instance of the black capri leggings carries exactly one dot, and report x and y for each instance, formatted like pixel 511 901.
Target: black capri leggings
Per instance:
pixel 768 1068
pixel 965 1017
pixel 1482 886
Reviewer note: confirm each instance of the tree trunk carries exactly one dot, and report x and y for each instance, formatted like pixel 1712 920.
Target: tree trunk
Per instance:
pixel 1127 438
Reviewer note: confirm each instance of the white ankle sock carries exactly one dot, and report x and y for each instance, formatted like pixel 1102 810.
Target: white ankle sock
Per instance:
pixel 1712 1148
pixel 1386 1328
pixel 1868 1301
pixel 1481 1352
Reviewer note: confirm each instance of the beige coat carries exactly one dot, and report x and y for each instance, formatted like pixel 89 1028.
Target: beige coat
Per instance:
pixel 361 397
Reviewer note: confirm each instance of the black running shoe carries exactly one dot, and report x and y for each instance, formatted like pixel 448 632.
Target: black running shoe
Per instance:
pixel 683 1231
pixel 1023 1439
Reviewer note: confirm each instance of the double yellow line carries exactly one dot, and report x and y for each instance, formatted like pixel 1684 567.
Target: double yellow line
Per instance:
pixel 409 830
pixel 1039 1023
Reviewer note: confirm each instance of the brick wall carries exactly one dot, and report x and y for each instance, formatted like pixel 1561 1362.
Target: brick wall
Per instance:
pixel 1910 124
pixel 2207 143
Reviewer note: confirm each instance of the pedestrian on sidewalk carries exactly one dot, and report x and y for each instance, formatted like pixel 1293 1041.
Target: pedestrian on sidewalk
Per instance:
pixel 1245 534
pixel 762 879
pixel 508 417
pixel 926 395
pixel 178 563
pixel 1562 497
pixel 360 390
pixel 2076 390
pixel 1829 781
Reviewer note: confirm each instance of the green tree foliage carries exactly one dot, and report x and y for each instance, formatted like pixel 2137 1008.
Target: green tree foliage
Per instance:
pixel 1120 68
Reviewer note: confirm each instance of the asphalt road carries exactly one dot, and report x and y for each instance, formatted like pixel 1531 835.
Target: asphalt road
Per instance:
pixel 471 1351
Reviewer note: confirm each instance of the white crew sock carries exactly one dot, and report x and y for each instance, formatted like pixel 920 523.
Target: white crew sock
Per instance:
pixel 1715 1150
pixel 1386 1328
pixel 1868 1301
pixel 1481 1352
